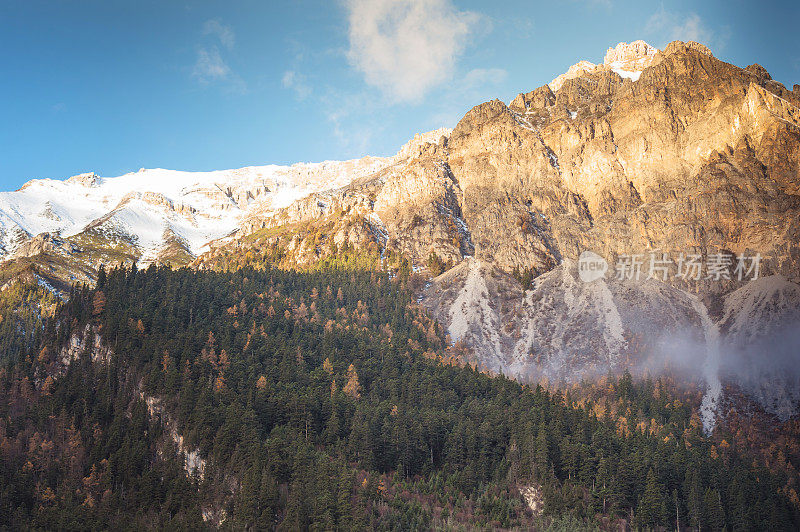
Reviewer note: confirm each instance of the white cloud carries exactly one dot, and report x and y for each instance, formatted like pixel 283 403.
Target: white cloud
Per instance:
pixel 296 82
pixel 406 47
pixel 210 66
pixel 223 32
pixel 670 26
pixel 692 29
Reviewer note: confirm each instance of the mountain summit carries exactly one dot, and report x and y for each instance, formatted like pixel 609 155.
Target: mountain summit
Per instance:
pixel 626 60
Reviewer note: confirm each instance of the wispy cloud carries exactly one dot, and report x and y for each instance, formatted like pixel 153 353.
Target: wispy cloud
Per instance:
pixel 223 32
pixel 669 26
pixel 210 66
pixel 405 50
pixel 407 47
pixel 296 82
pixel 353 118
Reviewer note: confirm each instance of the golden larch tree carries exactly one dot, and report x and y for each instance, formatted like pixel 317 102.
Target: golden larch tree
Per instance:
pixel 353 387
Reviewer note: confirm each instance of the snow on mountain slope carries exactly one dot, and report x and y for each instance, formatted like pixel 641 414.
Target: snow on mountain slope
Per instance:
pixel 149 207
pixel 626 60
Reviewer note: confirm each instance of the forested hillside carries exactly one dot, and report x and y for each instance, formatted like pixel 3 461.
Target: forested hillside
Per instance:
pixel 317 399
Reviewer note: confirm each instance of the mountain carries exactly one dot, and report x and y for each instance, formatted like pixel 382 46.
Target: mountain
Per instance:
pixel 571 311
pixel 66 229
pixel 651 153
pixel 625 60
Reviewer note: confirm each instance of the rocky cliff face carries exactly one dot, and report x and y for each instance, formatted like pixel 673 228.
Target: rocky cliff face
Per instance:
pixel 694 156
pixel 649 153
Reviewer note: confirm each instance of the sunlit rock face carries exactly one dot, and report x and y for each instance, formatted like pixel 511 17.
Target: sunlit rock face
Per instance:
pixel 669 151
pixel 696 155
pixel 626 60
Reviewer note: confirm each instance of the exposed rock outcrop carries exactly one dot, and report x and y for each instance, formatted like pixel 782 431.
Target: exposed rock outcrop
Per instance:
pixel 694 156
pixel 648 153
pixel 43 243
pixel 88 342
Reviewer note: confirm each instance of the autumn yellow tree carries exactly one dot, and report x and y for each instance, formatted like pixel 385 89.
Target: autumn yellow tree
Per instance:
pixel 353 387
pixel 98 302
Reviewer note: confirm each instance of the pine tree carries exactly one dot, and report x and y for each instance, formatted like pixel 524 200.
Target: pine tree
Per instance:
pixel 101 277
pixel 344 502
pixel 694 500
pixel 542 464
pixel 650 510
pixel 269 498
pixel 332 427
pixel 713 516
pixel 297 514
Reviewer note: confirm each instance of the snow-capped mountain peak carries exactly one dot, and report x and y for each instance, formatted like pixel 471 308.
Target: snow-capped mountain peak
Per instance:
pixel 628 60
pixel 151 206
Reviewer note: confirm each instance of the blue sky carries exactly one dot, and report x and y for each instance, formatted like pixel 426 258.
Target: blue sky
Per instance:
pixel 111 86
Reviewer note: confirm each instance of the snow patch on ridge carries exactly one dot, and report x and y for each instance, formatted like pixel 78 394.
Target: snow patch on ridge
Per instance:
pixel 627 60
pixel 626 74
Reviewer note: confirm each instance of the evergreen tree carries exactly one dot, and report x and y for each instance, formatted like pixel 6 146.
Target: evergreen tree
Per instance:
pixel 713 516
pixel 651 510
